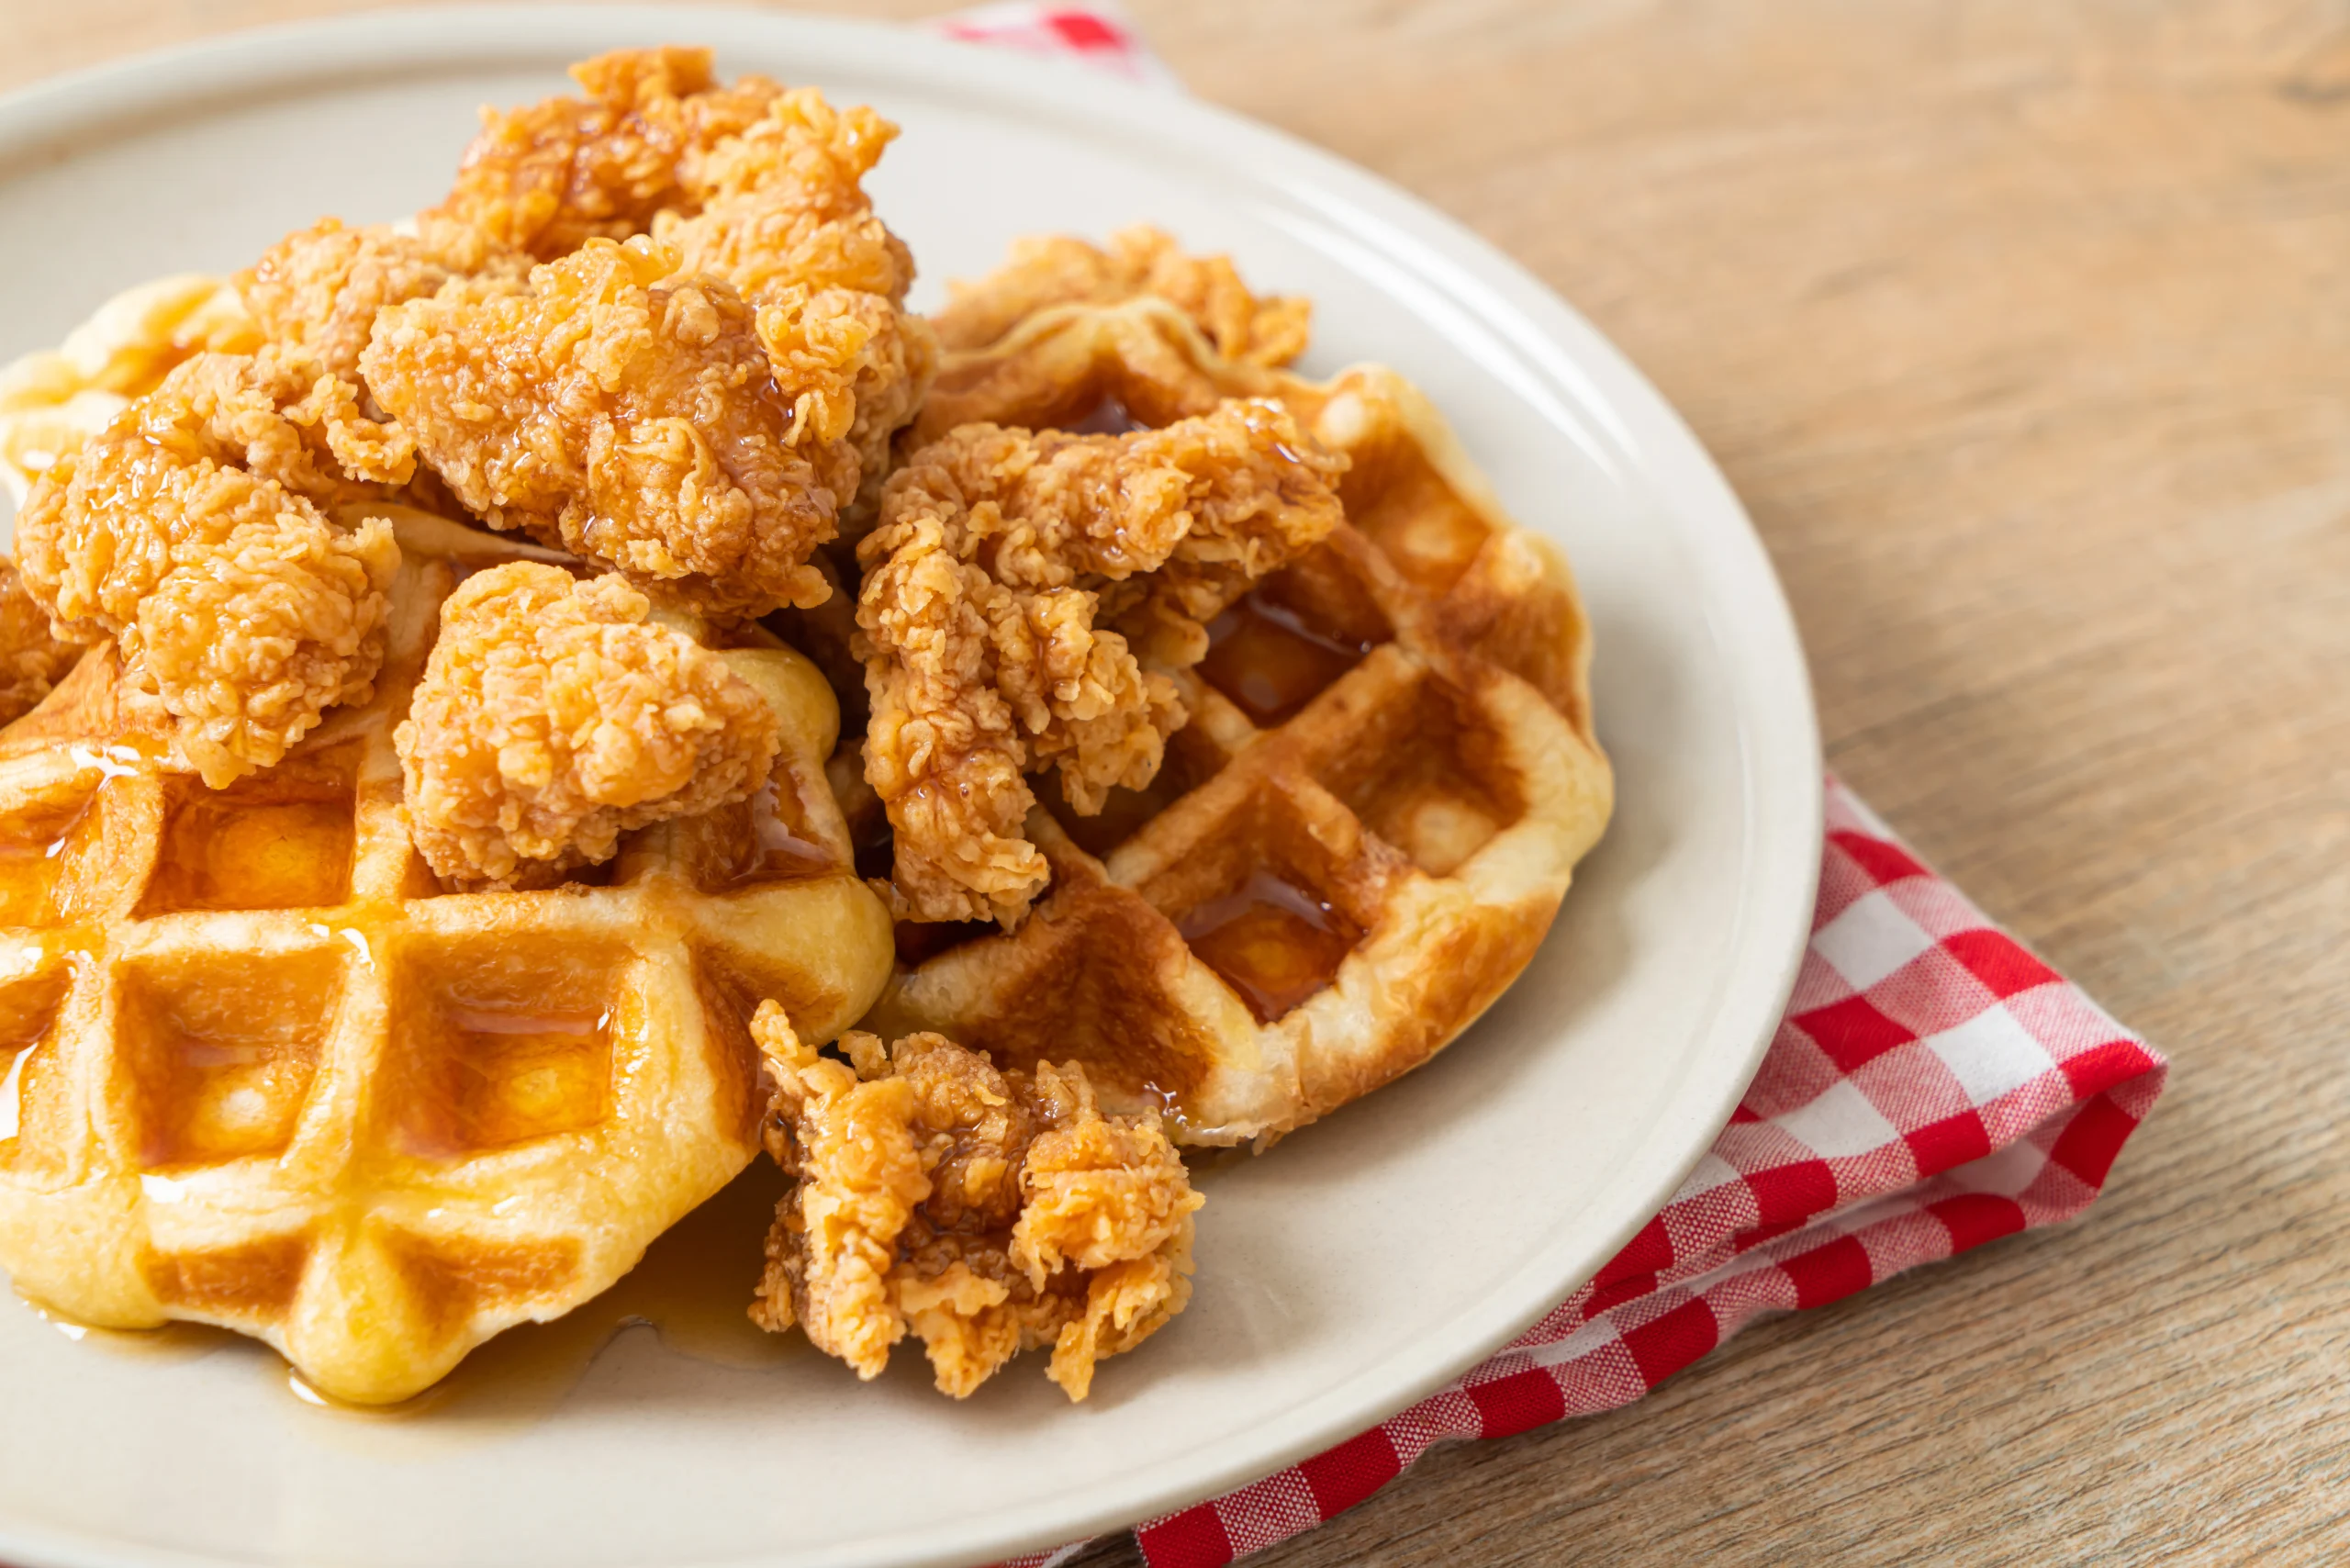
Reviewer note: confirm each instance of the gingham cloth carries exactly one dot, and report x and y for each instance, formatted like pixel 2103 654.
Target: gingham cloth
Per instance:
pixel 1932 1087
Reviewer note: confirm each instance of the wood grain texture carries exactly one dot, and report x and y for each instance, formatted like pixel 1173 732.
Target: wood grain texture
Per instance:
pixel 2023 328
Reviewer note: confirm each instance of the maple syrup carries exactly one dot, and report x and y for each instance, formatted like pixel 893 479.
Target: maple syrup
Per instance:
pixel 34 852
pixel 221 852
pixel 280 839
pixel 1273 942
pixel 225 1054
pixel 523 1073
pixel 779 849
pixel 503 1041
pixel 1108 416
pixel 692 1289
pixel 1271 661
pixel 171 1342
pixel 28 1011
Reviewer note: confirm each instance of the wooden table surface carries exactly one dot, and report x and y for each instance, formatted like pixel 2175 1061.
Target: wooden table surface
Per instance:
pixel 2023 328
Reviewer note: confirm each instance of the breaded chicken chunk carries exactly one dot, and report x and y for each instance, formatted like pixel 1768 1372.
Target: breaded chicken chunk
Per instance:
pixel 1046 270
pixel 32 659
pixel 193 532
pixel 551 176
pixel 1001 559
pixel 985 1211
pixel 621 412
pixel 782 214
pixel 753 183
pixel 317 290
pixel 554 717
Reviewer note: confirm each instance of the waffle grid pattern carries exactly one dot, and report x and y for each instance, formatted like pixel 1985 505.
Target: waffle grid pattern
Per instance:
pixel 1367 825
pixel 263 1072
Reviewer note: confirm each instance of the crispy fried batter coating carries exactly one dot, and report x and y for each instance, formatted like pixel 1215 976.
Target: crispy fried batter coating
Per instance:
pixel 317 290
pixel 621 413
pixel 999 559
pixel 553 717
pixel 783 216
pixel 753 183
pixel 549 177
pixel 32 659
pixel 987 1212
pixel 1059 269
pixel 191 530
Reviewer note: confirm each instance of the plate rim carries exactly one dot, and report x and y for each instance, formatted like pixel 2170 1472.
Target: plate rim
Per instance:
pixel 1745 606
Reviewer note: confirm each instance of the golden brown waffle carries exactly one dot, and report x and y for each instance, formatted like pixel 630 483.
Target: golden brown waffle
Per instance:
pixel 1368 826
pixel 256 1069
pixel 54 399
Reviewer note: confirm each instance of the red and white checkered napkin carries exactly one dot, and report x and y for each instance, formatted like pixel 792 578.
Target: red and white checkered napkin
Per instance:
pixel 1932 1087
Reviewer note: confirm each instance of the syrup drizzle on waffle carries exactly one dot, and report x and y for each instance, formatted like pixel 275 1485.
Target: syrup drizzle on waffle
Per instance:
pixel 1386 779
pixel 1272 661
pixel 264 1071
pixel 1275 942
pixel 280 839
pixel 691 1291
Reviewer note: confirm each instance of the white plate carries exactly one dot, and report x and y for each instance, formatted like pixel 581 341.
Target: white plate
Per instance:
pixel 1356 1268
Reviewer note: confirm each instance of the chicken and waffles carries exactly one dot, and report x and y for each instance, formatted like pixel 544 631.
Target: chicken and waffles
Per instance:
pixel 515 712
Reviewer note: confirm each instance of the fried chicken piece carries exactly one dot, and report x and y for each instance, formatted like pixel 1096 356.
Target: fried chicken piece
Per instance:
pixel 32 660
pixel 621 412
pixel 1059 269
pixel 554 717
pixel 550 177
pixel 999 561
pixel 985 1211
pixel 781 213
pixel 753 183
pixel 317 290
pixel 192 531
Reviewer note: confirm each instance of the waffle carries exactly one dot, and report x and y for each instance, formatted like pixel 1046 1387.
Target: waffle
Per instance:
pixel 54 399
pixel 1366 828
pixel 261 1071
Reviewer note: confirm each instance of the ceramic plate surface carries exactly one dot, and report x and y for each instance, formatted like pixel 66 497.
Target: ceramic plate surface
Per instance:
pixel 1358 1267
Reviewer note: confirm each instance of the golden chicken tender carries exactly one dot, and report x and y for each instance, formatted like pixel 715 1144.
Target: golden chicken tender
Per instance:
pixel 999 562
pixel 191 532
pixel 554 716
pixel 753 183
pixel 985 1212
pixel 551 176
pixel 1048 270
pixel 318 289
pixel 32 659
pixel 783 216
pixel 620 412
